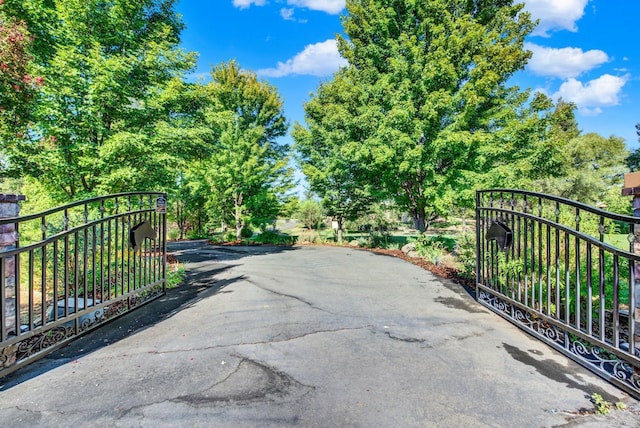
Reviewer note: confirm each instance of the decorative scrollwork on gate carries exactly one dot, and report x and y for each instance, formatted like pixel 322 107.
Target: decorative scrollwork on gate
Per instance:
pixel 72 269
pixel 566 277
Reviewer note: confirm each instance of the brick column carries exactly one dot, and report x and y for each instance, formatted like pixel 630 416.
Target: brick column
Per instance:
pixel 632 188
pixel 9 207
pixel 635 312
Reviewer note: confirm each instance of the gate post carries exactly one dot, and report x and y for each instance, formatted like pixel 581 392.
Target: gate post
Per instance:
pixel 9 207
pixel 632 188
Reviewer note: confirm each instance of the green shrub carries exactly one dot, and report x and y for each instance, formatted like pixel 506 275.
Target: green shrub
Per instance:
pixel 393 246
pixel 433 248
pixel 175 275
pixel 246 232
pixel 193 234
pixel 465 250
pixel 273 237
pixel 173 234
pixel 310 236
pixel 310 214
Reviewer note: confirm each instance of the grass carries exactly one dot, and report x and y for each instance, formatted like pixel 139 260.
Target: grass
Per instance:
pixel 175 274
pixel 618 240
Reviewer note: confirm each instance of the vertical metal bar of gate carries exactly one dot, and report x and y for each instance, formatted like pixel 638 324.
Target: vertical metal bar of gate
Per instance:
pixel 71 264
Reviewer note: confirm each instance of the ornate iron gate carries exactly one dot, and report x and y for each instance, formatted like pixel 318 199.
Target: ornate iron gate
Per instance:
pixel 566 273
pixel 74 267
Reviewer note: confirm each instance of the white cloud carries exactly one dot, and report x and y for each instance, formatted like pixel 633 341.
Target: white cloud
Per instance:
pixel 287 14
pixel 564 62
pixel 555 15
pixel 333 7
pixel 601 92
pixel 243 4
pixel 319 59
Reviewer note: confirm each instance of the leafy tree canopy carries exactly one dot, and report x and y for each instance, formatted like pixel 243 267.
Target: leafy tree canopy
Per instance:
pixel 18 86
pixel 104 64
pixel 247 172
pixel 426 93
pixel 326 155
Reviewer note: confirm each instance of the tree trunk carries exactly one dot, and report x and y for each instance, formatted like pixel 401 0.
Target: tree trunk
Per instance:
pixel 180 220
pixel 238 215
pixel 419 218
pixel 340 229
pixel 238 230
pixel 238 218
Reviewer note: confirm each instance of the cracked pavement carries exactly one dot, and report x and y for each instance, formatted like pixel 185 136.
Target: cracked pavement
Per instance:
pixel 306 336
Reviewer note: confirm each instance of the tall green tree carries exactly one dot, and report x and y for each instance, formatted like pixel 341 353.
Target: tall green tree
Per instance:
pixel 594 166
pixel 325 153
pixel 430 78
pixel 96 126
pixel 248 172
pixel 633 161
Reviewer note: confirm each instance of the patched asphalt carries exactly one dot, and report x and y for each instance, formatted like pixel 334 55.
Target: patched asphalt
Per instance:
pixel 312 337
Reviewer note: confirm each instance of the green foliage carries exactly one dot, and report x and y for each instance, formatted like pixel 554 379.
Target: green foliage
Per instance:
pixel 310 236
pixel 98 125
pixel 594 168
pixel 377 240
pixel 602 406
pixel 633 161
pixel 465 249
pixel 246 232
pixel 310 214
pixel 509 270
pixel 434 247
pixel 230 236
pixel 273 237
pixel 18 85
pixel 527 144
pixel 423 92
pixel 560 284
pixel 290 207
pixel 175 275
pixel 331 169
pixel 246 175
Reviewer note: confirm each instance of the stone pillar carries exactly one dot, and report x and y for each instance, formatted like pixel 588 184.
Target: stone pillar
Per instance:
pixel 632 188
pixel 9 207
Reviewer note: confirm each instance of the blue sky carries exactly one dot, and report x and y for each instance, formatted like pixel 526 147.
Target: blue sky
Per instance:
pixel 584 51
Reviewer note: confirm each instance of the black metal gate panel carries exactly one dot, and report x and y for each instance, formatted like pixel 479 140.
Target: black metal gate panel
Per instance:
pixel 566 273
pixel 75 267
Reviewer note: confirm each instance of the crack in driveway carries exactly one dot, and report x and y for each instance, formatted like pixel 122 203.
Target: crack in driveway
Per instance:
pixel 252 381
pixel 291 296
pixel 404 338
pixel 263 342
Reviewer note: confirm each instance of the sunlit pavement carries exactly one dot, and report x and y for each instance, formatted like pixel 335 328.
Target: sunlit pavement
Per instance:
pixel 312 337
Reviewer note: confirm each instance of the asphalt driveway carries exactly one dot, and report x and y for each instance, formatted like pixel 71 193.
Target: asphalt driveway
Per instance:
pixel 311 337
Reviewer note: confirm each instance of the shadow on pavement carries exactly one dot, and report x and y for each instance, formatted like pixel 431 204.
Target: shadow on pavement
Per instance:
pixel 203 264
